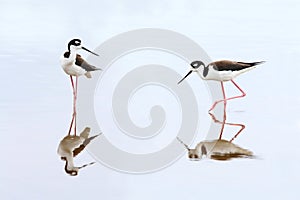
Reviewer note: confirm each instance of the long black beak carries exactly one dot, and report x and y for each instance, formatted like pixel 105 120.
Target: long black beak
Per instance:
pixel 185 76
pixel 89 51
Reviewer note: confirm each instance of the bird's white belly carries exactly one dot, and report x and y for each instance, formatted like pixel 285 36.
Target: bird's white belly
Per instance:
pixel 74 70
pixel 229 75
pixel 70 68
pixel 226 75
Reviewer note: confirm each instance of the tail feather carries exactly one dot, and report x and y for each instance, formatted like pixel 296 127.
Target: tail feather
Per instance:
pixel 85 133
pixel 252 63
pixel 88 140
pixel 88 75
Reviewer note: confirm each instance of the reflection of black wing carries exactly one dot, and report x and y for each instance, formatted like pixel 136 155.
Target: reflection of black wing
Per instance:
pixel 229 156
pixel 82 63
pixel 227 65
pixel 81 147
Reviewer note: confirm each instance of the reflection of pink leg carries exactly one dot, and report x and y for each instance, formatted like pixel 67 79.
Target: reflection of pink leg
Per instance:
pixel 231 124
pixel 71 124
pixel 242 128
pixel 235 97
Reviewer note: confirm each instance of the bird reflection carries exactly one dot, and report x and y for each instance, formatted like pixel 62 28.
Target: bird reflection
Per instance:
pixel 72 145
pixel 219 149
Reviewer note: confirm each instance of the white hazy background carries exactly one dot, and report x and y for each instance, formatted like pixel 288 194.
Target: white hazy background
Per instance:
pixel 35 100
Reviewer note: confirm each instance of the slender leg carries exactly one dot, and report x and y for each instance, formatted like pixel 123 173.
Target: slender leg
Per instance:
pixel 224 111
pixel 231 124
pixel 224 98
pixel 74 93
pixel 73 115
pixel 75 112
pixel 240 96
pixel 235 97
pixel 72 82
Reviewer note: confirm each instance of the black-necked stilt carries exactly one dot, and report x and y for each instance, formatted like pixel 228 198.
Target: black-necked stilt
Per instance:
pixel 70 146
pixel 216 149
pixel 222 71
pixel 74 65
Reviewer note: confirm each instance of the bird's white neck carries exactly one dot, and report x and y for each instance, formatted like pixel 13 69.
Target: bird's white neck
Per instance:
pixel 70 162
pixel 73 53
pixel 200 73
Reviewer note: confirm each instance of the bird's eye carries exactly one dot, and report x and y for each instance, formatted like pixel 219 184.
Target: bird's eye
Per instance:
pixel 77 42
pixel 195 64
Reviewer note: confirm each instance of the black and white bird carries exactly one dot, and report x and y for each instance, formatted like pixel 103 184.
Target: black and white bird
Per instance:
pixel 223 70
pixel 217 150
pixel 70 146
pixel 74 65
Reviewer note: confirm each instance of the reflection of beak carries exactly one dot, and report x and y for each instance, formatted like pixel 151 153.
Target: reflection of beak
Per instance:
pixel 89 51
pixel 185 145
pixel 185 76
pixel 194 159
pixel 86 165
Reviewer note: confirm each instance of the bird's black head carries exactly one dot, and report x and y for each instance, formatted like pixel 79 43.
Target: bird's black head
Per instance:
pixel 74 42
pixel 195 67
pixel 196 64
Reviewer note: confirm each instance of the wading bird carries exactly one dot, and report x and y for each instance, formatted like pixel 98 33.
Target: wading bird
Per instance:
pixel 74 65
pixel 222 71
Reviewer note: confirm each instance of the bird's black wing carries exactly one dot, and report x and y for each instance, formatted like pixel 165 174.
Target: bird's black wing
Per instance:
pixel 82 63
pixel 82 147
pixel 227 65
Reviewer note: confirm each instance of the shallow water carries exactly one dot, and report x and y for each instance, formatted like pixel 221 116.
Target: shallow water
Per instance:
pixel 36 98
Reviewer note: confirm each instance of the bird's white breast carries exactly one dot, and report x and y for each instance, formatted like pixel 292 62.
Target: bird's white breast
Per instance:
pixel 69 66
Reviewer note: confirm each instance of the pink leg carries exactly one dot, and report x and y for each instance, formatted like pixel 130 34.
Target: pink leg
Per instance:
pixel 72 121
pixel 235 97
pixel 224 111
pixel 224 98
pixel 74 93
pixel 75 112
